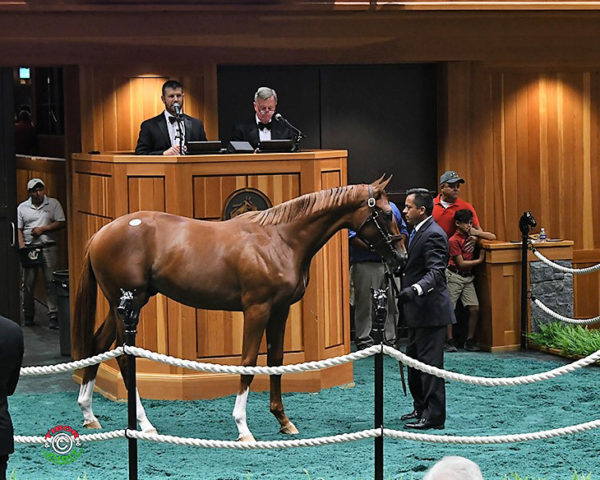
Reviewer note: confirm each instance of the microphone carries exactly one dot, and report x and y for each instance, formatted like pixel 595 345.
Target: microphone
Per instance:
pixel 279 118
pixel 177 108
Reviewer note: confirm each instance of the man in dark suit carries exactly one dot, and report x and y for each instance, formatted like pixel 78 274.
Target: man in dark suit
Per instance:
pixel 262 127
pixel 11 358
pixel 162 134
pixel 427 309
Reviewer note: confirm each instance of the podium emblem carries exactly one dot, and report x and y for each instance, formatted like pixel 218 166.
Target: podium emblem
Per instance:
pixel 245 200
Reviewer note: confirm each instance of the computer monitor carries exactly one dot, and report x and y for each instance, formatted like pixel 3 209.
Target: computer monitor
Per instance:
pixel 200 148
pixel 286 145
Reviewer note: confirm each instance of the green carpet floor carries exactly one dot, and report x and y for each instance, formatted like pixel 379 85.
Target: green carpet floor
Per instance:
pixel 472 410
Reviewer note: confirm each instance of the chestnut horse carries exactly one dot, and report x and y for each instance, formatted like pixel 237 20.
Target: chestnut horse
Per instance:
pixel 257 262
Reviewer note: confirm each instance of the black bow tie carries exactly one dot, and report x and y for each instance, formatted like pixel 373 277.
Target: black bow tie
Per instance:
pixel 172 119
pixel 262 126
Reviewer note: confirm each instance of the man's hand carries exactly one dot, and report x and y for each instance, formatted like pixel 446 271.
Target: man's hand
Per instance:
pixel 470 243
pixel 174 150
pixel 406 295
pixel 37 231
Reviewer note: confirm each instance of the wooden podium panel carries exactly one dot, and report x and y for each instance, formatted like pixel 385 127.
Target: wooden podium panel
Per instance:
pixel 498 283
pixel 107 186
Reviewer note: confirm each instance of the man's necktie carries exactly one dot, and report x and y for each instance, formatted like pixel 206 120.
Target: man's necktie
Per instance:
pixel 262 126
pixel 411 236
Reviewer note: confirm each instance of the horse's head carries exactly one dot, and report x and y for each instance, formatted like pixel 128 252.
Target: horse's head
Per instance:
pixel 377 226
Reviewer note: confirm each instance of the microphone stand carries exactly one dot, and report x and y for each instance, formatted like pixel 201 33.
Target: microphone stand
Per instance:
pixel 298 134
pixel 180 123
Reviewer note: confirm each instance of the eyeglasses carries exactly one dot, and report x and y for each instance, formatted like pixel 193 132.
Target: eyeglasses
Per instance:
pixel 266 109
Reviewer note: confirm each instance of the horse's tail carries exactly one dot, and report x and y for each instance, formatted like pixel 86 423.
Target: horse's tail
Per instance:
pixel 82 326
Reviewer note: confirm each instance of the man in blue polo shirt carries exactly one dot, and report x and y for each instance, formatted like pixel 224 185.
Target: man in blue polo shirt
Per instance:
pixel 38 220
pixel 368 272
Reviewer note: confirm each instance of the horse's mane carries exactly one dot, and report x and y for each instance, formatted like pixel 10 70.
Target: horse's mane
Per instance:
pixel 304 205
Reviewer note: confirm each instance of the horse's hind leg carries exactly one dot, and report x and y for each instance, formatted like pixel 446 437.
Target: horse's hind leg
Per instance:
pixel 275 337
pixel 141 417
pixel 103 338
pixel 255 320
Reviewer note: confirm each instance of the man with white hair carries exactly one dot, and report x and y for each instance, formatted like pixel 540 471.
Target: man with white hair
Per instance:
pixel 454 468
pixel 263 126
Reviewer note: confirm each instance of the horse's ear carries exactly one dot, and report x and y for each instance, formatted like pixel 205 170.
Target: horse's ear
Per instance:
pixel 380 184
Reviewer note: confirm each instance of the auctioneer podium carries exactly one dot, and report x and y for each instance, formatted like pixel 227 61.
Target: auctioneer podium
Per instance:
pixel 106 186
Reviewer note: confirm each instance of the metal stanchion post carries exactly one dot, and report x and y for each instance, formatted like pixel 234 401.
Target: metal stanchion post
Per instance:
pixel 130 316
pixel 379 312
pixel 525 223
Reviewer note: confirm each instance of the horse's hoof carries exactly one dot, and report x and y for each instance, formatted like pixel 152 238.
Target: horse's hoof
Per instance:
pixel 246 438
pixel 289 429
pixel 92 424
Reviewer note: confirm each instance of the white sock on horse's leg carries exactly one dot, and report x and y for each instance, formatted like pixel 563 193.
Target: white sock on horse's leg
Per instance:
pixel 86 392
pixel 142 420
pixel 239 415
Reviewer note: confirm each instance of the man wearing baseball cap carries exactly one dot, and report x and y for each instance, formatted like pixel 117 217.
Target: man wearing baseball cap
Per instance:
pixel 447 203
pixel 445 206
pixel 38 220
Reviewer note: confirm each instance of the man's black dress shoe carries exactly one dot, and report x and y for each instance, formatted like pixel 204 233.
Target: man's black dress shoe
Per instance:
pixel 424 424
pixel 410 416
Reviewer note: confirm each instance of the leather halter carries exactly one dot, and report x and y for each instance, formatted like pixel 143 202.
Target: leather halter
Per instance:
pixel 387 240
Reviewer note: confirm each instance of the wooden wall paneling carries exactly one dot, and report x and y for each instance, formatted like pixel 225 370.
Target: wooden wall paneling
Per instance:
pixel 219 333
pixel 210 193
pixel 124 106
pixel 594 175
pixel 279 189
pixel 148 193
pixel 587 211
pixel 225 328
pixel 572 154
pixel 498 221
pixel 210 111
pixel 332 274
pixel 110 114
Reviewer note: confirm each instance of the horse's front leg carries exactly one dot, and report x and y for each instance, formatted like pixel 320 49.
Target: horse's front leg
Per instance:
pixel 255 320
pixel 275 338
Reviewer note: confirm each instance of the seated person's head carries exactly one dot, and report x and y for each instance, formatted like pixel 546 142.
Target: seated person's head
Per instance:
pixel 463 219
pixel 454 468
pixel 265 103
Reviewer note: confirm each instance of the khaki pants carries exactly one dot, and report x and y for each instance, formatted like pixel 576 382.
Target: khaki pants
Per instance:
pixel 49 266
pixel 367 275
pixel 461 287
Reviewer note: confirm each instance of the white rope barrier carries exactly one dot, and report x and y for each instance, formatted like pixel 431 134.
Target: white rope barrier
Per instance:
pixel 575 271
pixel 66 367
pixel 558 316
pixel 310 366
pixel 311 442
pixel 487 381
pixel 366 434
pixel 487 439
pixel 216 368
pixel 92 437
pixel 235 445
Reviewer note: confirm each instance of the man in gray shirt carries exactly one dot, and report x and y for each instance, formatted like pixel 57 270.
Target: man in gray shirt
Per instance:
pixel 38 220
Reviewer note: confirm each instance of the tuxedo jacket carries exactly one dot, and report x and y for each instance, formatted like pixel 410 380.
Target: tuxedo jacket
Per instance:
pixel 11 358
pixel 427 260
pixel 248 131
pixel 154 135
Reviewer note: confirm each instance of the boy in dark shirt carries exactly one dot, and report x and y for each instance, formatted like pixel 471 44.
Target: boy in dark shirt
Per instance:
pixel 459 276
